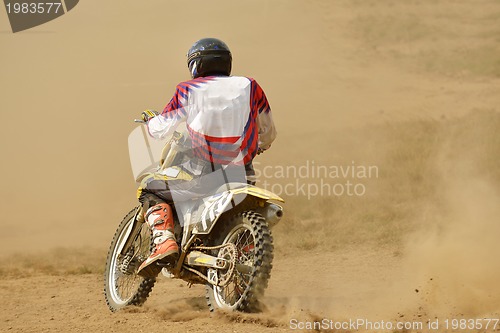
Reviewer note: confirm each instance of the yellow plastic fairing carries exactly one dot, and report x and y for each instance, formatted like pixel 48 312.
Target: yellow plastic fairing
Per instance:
pixel 258 192
pixel 175 173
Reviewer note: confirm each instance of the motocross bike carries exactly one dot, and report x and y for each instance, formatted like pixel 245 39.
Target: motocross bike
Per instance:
pixel 225 241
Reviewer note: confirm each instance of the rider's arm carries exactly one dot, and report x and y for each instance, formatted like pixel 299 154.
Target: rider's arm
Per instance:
pixel 173 114
pixel 267 130
pixel 161 126
pixel 265 124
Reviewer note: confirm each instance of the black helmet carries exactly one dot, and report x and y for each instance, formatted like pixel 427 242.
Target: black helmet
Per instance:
pixel 209 56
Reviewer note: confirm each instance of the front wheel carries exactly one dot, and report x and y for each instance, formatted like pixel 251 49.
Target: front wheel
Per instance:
pixel 250 233
pixel 122 285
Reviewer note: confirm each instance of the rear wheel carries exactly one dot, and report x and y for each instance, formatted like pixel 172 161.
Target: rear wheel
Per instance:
pixel 250 233
pixel 122 285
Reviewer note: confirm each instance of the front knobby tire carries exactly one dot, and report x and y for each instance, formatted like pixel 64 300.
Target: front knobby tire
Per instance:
pixel 123 289
pixel 250 233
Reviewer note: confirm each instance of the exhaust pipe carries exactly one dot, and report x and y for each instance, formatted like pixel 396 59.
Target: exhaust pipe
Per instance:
pixel 272 213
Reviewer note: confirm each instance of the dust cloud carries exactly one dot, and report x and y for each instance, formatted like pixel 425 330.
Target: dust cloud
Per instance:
pixel 454 253
pixel 410 87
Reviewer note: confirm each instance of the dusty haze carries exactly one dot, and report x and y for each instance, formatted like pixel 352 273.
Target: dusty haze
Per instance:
pixel 410 87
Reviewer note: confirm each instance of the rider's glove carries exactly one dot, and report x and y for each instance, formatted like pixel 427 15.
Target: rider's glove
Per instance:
pixel 147 115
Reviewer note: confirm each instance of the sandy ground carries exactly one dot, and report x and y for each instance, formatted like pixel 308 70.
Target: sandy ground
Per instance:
pixel 74 302
pixel 341 76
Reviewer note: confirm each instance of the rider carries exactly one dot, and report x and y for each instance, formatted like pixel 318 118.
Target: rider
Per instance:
pixel 229 121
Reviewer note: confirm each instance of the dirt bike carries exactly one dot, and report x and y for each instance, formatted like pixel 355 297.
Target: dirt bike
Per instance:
pixel 225 241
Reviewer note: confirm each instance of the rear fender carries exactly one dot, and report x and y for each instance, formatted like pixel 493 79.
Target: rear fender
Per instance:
pixel 258 193
pixel 213 207
pixel 223 202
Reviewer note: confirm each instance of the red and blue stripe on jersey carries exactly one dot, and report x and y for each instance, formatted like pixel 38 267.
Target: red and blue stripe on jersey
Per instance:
pixel 220 150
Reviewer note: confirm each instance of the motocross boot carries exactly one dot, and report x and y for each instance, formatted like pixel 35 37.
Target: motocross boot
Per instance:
pixel 166 250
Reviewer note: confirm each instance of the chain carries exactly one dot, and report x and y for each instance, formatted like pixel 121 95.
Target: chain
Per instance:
pixel 192 270
pixel 211 247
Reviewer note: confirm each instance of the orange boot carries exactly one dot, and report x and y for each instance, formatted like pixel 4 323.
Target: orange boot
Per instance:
pixel 161 221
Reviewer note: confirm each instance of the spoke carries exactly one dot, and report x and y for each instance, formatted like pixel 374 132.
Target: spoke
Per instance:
pixel 229 292
pixel 245 255
pixel 243 276
pixel 240 237
pixel 126 284
pixel 244 241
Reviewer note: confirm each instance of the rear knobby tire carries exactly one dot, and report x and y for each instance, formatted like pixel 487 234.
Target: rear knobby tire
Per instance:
pixel 245 289
pixel 121 290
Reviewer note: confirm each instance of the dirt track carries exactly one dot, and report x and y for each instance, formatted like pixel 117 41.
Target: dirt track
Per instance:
pixel 410 87
pixel 74 303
